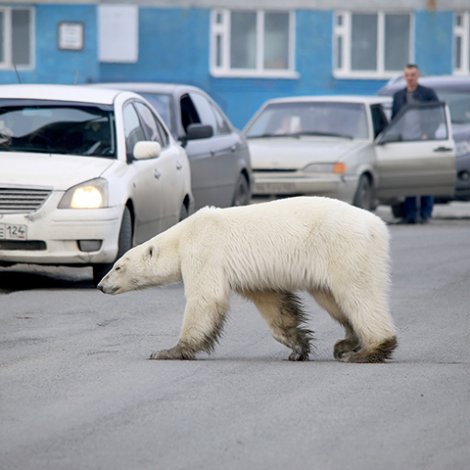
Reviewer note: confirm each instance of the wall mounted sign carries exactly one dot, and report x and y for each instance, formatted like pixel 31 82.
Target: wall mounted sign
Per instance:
pixel 70 36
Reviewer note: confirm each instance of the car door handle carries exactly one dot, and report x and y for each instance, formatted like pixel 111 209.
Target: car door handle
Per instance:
pixel 443 149
pixel 156 173
pixel 179 165
pixel 233 147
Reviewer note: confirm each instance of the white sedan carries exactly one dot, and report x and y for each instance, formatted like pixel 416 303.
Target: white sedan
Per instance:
pixel 84 174
pixel 344 147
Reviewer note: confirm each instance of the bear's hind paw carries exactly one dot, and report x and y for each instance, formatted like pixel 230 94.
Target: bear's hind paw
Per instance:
pixel 177 352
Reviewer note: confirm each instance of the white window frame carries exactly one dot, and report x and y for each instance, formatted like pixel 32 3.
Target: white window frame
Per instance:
pixel 221 31
pixel 7 63
pixel 462 32
pixel 344 30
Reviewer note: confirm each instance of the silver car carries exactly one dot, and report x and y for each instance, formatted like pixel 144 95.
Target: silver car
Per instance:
pixel 344 147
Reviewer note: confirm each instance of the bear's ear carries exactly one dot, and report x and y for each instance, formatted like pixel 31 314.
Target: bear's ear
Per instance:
pixel 150 251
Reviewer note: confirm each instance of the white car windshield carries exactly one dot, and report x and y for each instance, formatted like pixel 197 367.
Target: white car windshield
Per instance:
pixel 57 127
pixel 347 120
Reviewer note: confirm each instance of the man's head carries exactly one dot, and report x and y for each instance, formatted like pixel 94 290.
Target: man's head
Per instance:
pixel 411 75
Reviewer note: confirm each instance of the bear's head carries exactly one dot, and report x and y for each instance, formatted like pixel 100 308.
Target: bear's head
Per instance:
pixel 149 264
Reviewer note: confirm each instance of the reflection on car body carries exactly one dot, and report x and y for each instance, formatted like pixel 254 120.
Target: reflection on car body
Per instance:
pixel 84 174
pixel 343 147
pixel 218 153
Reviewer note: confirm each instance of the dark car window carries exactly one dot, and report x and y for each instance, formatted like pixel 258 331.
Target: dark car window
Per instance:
pixel 57 127
pixel 205 111
pixel 189 114
pixel 379 119
pixel 152 128
pixel 132 129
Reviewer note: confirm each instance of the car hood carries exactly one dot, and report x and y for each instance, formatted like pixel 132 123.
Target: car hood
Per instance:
pixel 291 152
pixel 55 171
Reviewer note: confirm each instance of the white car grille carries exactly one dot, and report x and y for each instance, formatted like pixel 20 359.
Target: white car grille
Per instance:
pixel 22 200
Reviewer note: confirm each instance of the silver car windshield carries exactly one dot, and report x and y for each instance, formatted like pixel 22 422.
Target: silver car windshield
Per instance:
pixel 57 127
pixel 347 120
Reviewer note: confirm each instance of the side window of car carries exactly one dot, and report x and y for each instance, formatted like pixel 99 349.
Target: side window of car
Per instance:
pixel 223 126
pixel 132 129
pixel 152 127
pixel 205 111
pixel 189 114
pixel 379 119
pixel 419 121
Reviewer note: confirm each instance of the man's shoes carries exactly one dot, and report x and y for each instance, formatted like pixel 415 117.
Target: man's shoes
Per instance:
pixel 407 222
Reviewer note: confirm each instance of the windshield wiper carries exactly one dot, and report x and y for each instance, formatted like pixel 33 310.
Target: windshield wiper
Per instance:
pixel 320 134
pixel 296 135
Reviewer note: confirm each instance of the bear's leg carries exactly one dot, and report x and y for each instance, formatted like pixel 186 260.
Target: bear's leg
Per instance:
pixel 350 343
pixel 202 327
pixel 371 323
pixel 284 315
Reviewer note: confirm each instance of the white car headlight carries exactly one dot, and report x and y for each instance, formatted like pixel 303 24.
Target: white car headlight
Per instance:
pixel 92 194
pixel 338 168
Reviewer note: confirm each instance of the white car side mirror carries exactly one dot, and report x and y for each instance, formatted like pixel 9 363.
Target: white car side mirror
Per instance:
pixel 146 149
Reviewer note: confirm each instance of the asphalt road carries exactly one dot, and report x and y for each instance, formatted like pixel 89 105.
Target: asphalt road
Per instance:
pixel 76 390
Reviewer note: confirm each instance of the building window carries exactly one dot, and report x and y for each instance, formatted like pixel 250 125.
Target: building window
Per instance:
pixel 252 43
pixel 371 44
pixel 16 38
pixel 462 43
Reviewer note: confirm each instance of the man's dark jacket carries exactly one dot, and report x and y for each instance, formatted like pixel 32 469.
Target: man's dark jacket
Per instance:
pixel 421 94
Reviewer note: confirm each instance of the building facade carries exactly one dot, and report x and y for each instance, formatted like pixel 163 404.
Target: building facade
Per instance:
pixel 241 52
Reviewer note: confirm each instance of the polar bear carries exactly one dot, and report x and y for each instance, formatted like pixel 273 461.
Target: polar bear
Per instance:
pixel 267 252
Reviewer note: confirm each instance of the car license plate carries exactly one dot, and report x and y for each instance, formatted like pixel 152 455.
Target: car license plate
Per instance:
pixel 13 232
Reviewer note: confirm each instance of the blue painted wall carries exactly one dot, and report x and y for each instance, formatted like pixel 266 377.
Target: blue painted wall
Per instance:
pixel 54 65
pixel 174 46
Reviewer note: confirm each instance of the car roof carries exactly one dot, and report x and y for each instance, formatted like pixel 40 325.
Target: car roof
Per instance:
pixel 439 82
pixel 150 87
pixel 75 93
pixel 365 99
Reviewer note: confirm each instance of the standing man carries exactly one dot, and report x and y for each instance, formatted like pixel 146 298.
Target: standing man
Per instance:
pixel 414 93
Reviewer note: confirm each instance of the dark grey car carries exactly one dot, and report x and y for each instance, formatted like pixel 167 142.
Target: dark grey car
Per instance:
pixel 218 153
pixel 455 91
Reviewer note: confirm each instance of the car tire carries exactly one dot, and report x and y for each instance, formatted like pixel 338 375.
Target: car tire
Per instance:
pixel 124 244
pixel 364 197
pixel 183 213
pixel 242 195
pixel 397 210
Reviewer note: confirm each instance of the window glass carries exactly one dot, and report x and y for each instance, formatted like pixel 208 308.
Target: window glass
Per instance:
pixel 132 129
pixel 189 114
pixel 419 122
pixel 56 127
pixel 148 122
pixel 397 32
pixel 311 118
pixel 21 37
pixel 205 111
pixel 162 103
pixel 276 40
pixel 364 41
pixel 222 125
pixel 243 40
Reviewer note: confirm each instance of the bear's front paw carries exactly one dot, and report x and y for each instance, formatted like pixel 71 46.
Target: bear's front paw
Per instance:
pixel 298 356
pixel 173 353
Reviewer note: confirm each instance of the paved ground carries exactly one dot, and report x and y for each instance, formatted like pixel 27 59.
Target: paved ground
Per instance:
pixel 76 390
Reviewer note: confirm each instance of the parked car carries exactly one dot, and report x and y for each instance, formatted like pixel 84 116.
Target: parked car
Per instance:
pixel 84 174
pixel 455 91
pixel 218 153
pixel 344 147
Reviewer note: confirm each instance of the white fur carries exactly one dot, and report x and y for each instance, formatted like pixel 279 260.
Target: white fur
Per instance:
pixel 337 252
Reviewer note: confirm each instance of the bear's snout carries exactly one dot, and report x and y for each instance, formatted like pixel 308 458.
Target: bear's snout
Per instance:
pixel 106 289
